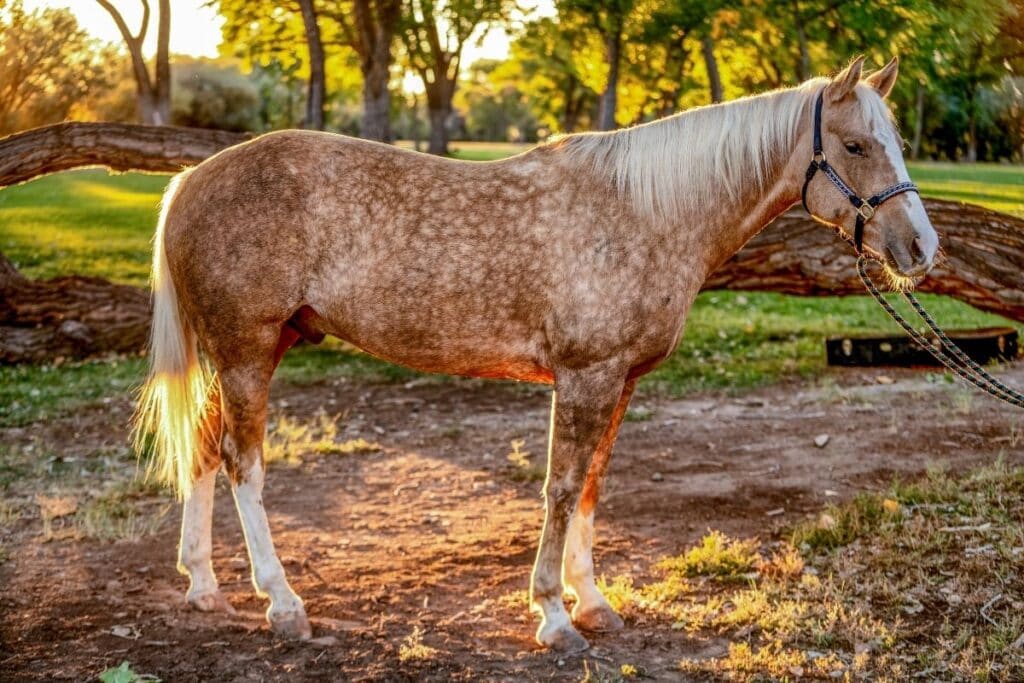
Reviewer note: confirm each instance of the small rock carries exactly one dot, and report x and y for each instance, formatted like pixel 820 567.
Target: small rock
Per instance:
pixel 323 641
pixel 884 379
pixel 821 440
pixel 776 512
pixel 657 476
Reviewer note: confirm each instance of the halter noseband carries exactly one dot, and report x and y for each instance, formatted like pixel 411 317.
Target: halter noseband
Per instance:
pixel 865 207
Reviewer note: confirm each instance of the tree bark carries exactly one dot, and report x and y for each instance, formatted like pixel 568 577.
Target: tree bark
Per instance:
pixel 376 23
pixel 68 317
pixel 707 48
pixel 610 96
pixel 376 103
pixel 438 142
pixel 316 89
pixel 915 142
pixel 983 264
pixel 116 146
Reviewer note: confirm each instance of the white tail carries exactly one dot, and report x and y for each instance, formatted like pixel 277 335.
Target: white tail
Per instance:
pixel 171 403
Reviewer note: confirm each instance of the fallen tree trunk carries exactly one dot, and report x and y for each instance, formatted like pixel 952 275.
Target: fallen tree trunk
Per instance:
pixel 116 146
pixel 68 317
pixel 983 262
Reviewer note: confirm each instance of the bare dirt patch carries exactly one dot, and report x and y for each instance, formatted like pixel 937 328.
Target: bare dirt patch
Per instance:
pixel 413 550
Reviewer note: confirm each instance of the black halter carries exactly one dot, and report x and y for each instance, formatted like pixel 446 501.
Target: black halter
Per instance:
pixel 865 207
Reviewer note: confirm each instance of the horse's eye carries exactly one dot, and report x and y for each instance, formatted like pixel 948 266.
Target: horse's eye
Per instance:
pixel 854 148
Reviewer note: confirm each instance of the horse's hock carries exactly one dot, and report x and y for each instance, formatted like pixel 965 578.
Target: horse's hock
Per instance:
pixel 77 317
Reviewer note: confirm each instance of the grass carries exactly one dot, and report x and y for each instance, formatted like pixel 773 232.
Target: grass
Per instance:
pixel 998 187
pixel 922 581
pixel 92 223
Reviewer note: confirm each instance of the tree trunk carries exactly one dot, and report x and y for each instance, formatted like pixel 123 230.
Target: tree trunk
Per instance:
pixel 610 96
pixel 984 264
pixel 707 48
pixel 116 146
pixel 915 142
pixel 316 88
pixel 377 101
pixel 162 82
pixel 68 317
pixel 438 143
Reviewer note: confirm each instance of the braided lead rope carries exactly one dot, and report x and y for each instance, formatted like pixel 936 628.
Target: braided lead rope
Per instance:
pixel 957 351
pixel 965 372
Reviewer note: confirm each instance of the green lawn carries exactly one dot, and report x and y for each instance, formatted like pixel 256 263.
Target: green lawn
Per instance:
pixel 92 223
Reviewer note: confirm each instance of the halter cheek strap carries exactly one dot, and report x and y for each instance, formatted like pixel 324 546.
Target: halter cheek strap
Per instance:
pixel 865 207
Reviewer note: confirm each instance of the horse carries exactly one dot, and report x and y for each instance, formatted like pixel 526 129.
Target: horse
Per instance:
pixel 573 264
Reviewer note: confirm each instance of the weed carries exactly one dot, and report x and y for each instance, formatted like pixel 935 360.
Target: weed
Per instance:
pixel 413 649
pixel 523 468
pixel 125 674
pixel 718 556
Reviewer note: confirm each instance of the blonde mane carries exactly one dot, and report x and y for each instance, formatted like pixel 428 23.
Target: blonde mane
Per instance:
pixel 699 157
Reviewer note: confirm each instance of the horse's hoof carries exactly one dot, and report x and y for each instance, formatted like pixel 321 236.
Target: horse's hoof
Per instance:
pixel 564 640
pixel 213 601
pixel 292 625
pixel 599 619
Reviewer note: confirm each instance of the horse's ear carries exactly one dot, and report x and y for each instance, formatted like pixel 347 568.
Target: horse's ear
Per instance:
pixel 844 82
pixel 883 79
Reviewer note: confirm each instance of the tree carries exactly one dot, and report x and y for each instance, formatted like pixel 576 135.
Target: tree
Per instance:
pixel 317 87
pixel 47 65
pixel 265 32
pixel 434 34
pixel 370 29
pixel 153 92
pixel 542 61
pixel 608 18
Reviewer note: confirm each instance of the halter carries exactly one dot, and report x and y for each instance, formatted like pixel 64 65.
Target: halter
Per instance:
pixel 865 207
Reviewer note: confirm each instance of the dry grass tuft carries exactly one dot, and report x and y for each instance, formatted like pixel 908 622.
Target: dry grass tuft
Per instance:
pixel 289 439
pixel 413 649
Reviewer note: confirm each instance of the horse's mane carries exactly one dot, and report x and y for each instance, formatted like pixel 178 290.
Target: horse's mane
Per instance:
pixel 699 157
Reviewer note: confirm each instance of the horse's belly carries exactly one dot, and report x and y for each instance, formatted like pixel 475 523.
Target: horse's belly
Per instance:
pixel 484 348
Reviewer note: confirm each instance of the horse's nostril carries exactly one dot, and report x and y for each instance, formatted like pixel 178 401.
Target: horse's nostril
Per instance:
pixel 916 252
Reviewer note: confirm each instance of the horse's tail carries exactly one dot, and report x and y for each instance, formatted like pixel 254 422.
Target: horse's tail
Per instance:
pixel 170 413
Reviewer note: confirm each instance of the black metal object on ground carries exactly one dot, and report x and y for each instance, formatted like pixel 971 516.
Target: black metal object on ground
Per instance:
pixel 982 345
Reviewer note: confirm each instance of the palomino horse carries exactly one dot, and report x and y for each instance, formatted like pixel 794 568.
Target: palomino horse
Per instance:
pixel 574 263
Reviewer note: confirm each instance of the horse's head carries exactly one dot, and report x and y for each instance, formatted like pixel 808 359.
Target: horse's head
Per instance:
pixel 860 141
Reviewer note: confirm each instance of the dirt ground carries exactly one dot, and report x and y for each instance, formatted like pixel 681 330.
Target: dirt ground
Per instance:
pixel 437 530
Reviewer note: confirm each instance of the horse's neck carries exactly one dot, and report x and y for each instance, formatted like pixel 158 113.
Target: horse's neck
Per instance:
pixel 724 229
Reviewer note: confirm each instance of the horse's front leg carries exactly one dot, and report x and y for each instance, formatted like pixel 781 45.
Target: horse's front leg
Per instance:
pixel 582 406
pixel 592 612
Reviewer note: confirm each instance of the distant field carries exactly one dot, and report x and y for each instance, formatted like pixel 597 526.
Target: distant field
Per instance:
pixel 92 223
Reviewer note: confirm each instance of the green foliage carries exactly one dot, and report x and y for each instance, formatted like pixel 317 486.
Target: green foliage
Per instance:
pixel 48 63
pixel 208 94
pixel 718 556
pixel 125 674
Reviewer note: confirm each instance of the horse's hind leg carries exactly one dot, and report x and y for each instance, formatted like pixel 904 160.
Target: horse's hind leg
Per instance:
pixel 196 547
pixel 245 384
pixel 583 404
pixel 592 612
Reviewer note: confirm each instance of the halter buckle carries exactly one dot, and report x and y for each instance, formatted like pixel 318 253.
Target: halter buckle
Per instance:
pixel 818 157
pixel 866 211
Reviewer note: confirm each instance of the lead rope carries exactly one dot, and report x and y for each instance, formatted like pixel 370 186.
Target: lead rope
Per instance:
pixel 948 353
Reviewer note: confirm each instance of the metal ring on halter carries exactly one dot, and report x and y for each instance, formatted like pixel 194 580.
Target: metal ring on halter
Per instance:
pixel 866 211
